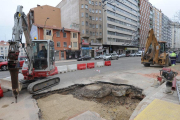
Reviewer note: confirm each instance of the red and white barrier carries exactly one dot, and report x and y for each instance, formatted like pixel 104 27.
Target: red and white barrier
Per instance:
pixel 81 66
pixel 90 65
pixel 107 63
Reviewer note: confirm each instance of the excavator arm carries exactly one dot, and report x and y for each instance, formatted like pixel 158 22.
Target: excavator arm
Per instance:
pixel 20 26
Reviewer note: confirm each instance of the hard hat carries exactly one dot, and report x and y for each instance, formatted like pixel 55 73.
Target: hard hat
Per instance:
pixel 35 38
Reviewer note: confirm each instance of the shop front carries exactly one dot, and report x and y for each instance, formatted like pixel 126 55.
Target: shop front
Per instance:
pixel 86 51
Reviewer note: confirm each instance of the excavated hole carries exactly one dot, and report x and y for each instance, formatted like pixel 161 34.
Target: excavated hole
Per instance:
pixel 113 101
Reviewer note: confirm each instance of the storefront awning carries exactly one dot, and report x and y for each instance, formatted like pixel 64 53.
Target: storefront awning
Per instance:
pixel 100 50
pixel 132 49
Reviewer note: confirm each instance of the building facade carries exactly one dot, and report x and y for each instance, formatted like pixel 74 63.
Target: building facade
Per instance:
pixel 157 23
pixel 175 35
pixel 146 21
pixel 4 46
pixel 120 25
pixel 86 17
pixel 45 24
pixel 166 30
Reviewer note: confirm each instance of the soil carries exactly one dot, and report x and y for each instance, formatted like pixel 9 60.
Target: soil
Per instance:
pixel 71 103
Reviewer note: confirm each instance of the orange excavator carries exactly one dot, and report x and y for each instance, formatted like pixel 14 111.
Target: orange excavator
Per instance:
pixel 155 52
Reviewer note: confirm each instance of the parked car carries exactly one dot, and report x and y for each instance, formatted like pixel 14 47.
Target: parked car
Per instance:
pixel 3 65
pixel 122 55
pixel 99 57
pixel 132 55
pixel 86 57
pixel 107 57
pixel 112 56
pixel 138 54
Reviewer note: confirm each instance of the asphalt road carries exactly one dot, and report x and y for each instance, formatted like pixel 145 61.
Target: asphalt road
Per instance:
pixel 123 64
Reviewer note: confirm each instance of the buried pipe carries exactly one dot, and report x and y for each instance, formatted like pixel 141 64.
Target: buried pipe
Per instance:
pixel 174 84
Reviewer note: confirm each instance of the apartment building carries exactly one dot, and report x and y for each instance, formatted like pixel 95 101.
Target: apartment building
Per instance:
pixel 120 25
pixel 166 30
pixel 146 21
pixel 4 46
pixel 45 23
pixel 86 17
pixel 175 35
pixel 157 23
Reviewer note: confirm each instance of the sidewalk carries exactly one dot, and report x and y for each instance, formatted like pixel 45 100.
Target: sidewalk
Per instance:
pixel 66 61
pixel 156 95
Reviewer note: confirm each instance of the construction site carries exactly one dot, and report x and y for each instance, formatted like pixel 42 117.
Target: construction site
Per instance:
pixel 81 82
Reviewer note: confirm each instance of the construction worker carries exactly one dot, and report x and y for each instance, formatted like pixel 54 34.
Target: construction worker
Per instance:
pixel 173 58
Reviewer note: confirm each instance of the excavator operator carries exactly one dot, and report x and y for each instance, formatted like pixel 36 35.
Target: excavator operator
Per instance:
pixel 42 53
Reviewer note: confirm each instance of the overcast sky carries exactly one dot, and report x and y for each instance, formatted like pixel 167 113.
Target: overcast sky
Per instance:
pixel 8 8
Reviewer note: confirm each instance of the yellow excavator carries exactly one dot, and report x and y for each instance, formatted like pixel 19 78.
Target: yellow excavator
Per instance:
pixel 155 52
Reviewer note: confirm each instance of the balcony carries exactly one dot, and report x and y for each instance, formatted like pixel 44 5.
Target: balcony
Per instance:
pixel 98 44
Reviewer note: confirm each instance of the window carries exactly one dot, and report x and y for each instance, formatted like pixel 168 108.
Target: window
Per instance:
pixel 82 6
pixel 65 44
pixel 82 31
pixel 90 17
pixel 93 25
pixel 90 33
pixel 100 26
pixel 92 10
pixel 87 15
pixel 100 33
pixel 74 35
pixel 92 40
pixel 100 18
pixel 57 34
pixel 93 18
pixel 97 26
pixel 1 48
pixel 82 14
pixel 99 11
pixel 82 23
pixel 87 32
pixel 58 44
pixel 96 18
pixel 48 32
pixel 89 9
pixel 93 33
pixel 5 48
pixel 64 35
pixel 97 34
pixel 96 3
pixel 74 44
pixel 86 23
pixel 86 6
pixel 96 11
pixel 89 1
pixel 99 3
pixel 92 2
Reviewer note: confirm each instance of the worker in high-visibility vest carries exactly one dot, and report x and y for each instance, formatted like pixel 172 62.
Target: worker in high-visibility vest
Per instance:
pixel 173 58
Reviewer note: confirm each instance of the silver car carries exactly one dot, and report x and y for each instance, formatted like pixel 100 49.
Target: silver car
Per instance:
pixel 112 56
pixel 2 60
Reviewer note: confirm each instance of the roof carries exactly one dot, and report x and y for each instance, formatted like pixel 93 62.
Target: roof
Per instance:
pixel 56 28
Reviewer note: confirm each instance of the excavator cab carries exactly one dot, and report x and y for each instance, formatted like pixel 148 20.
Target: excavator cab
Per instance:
pixel 43 55
pixel 162 47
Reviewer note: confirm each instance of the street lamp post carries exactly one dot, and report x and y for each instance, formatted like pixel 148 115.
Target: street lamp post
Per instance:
pixel 45 25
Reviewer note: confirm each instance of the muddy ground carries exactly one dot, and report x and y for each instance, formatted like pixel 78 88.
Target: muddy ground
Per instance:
pixel 66 104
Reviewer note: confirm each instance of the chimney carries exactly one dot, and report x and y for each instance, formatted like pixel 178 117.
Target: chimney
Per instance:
pixel 38 5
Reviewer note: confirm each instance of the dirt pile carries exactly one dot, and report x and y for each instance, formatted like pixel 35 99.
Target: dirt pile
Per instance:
pixel 72 102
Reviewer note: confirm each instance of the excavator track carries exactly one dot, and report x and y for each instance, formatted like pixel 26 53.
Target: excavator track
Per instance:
pixel 43 84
